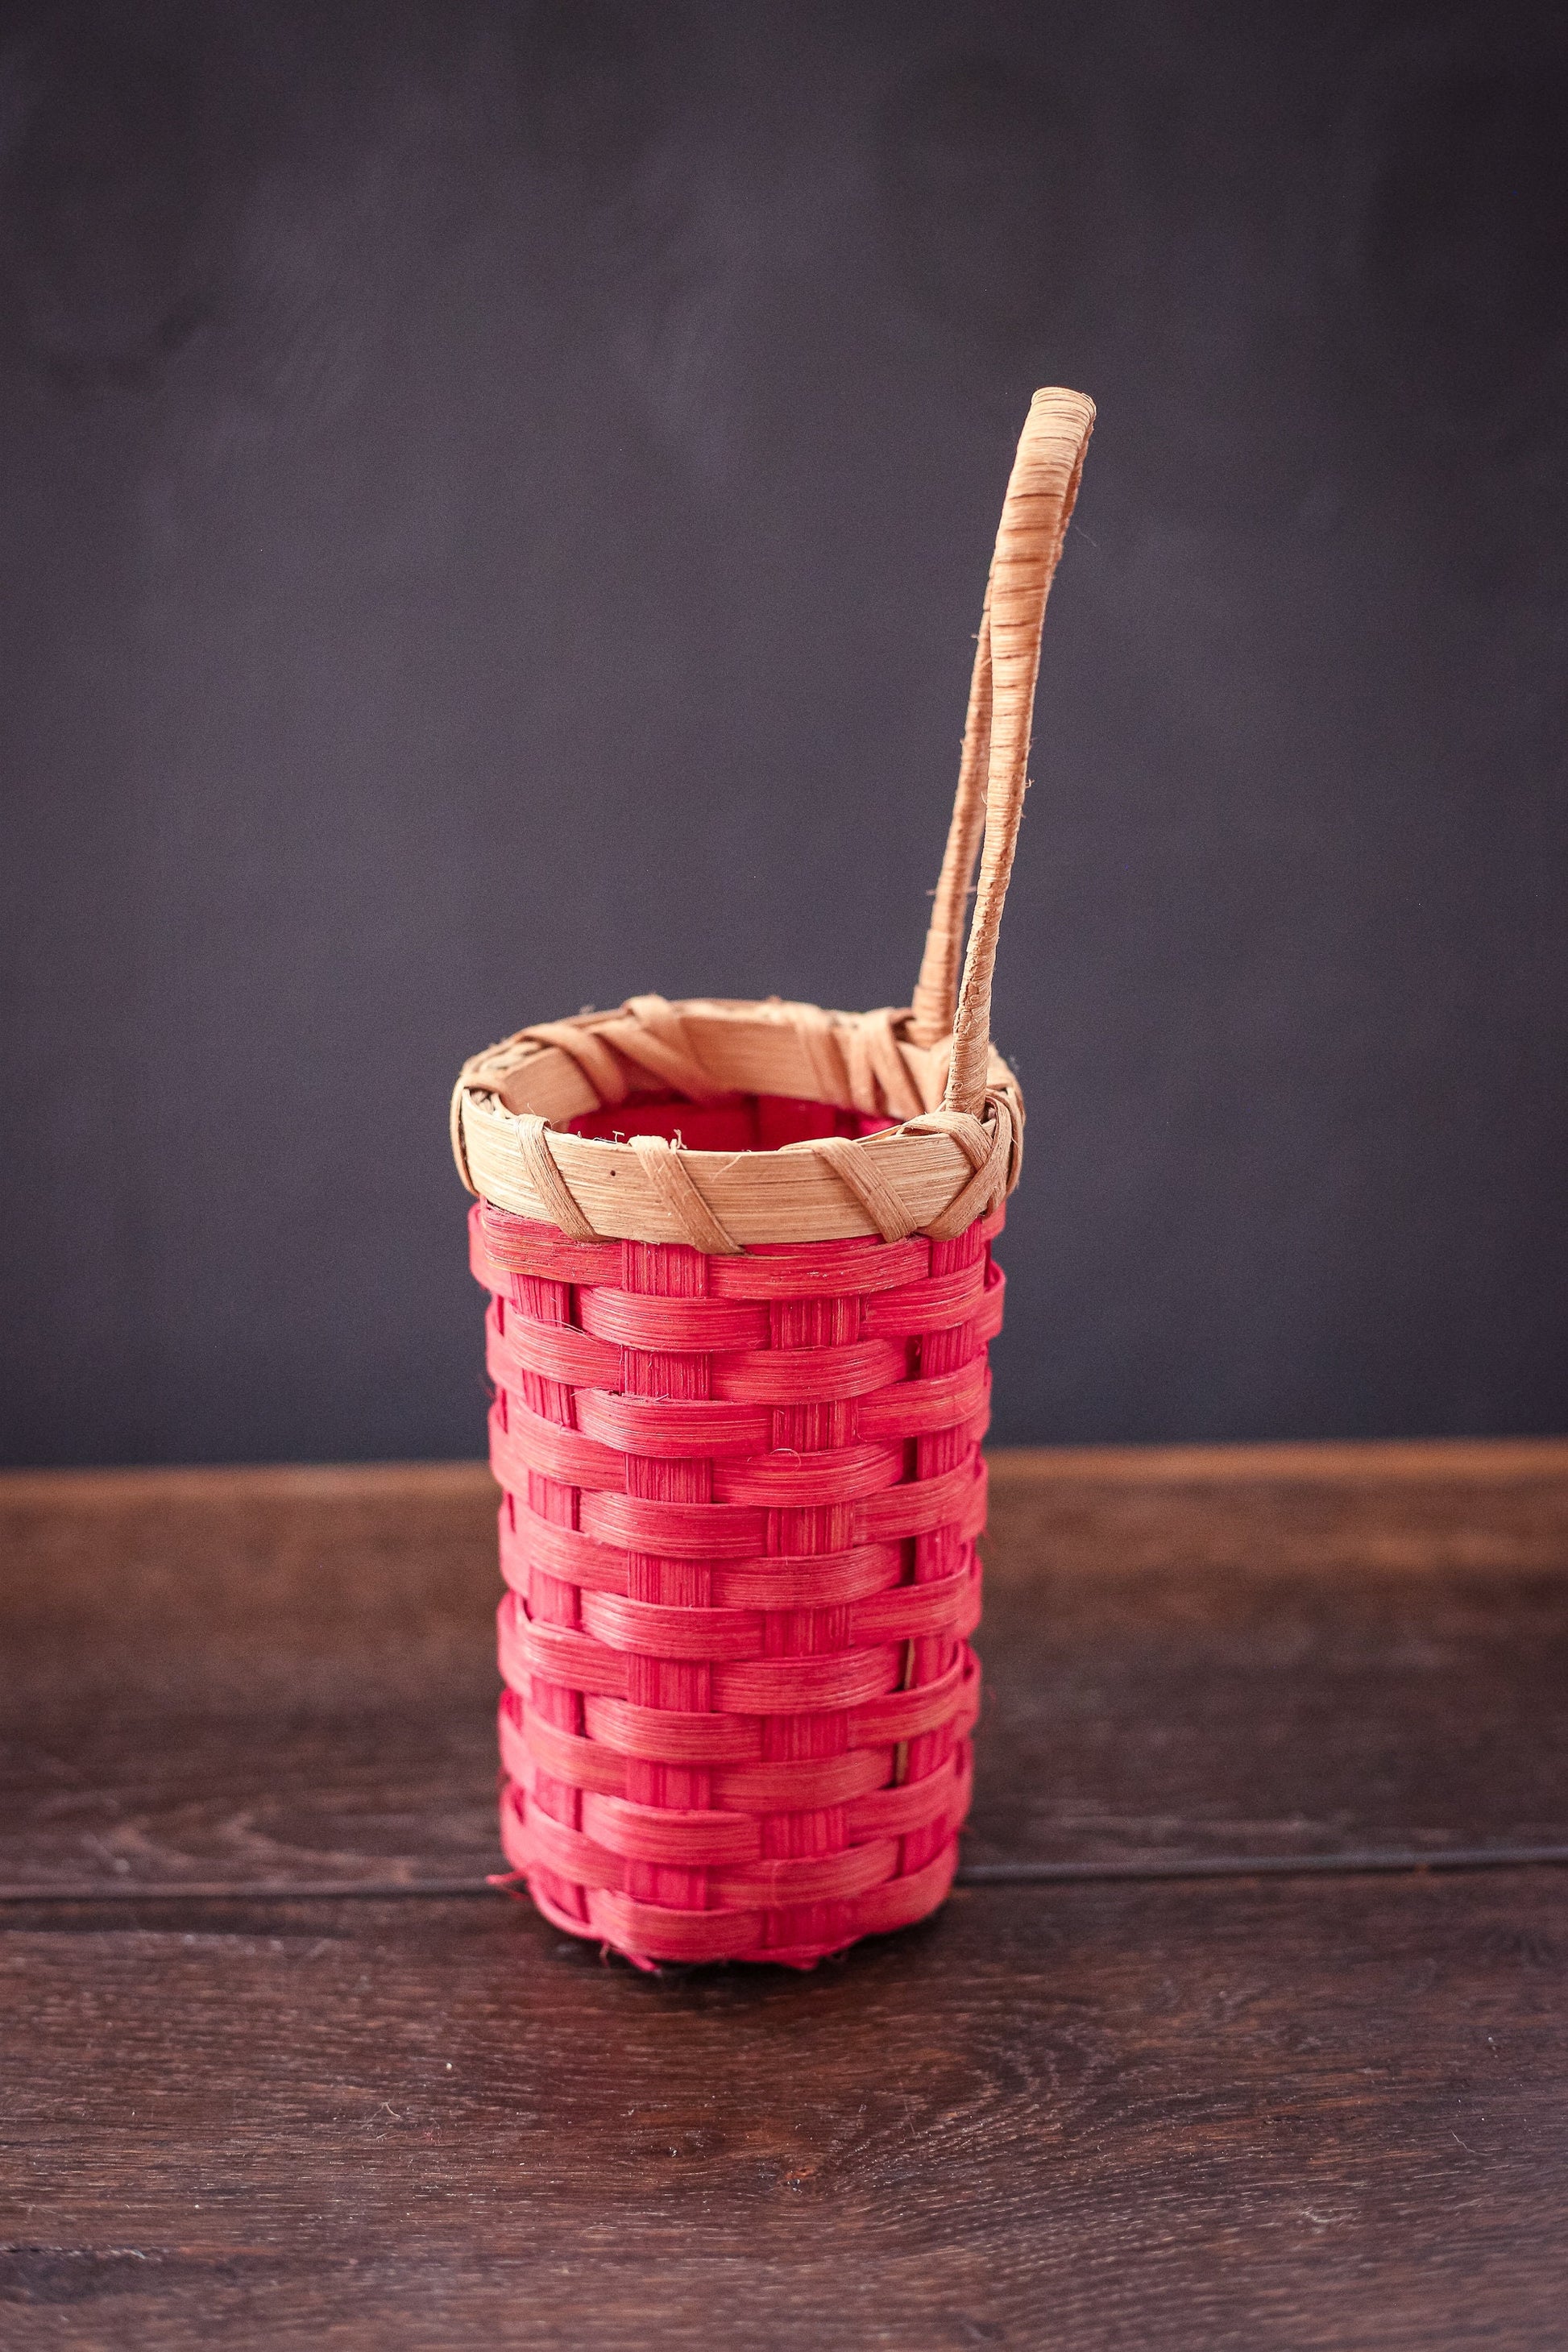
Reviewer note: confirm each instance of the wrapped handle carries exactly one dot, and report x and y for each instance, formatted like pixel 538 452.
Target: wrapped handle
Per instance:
pixel 992 773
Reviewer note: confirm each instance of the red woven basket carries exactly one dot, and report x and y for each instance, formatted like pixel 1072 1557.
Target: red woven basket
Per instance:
pixel 742 1293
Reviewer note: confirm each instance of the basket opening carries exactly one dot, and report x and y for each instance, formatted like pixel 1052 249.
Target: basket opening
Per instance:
pixel 733 1123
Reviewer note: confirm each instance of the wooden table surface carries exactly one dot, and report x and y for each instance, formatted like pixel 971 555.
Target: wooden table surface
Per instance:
pixel 1247 2027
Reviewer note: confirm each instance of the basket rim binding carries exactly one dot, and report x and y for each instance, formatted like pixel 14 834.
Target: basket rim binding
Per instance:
pixel 956 1149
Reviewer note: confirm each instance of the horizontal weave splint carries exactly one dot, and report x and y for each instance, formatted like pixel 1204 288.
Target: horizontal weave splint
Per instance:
pixel 742 1293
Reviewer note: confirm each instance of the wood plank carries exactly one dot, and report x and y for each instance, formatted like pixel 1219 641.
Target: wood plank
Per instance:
pixel 262 1676
pixel 1276 1650
pixel 1326 2115
pixel 248 1674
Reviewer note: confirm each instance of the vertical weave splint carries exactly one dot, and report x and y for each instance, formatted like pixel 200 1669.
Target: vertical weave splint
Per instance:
pixel 742 1293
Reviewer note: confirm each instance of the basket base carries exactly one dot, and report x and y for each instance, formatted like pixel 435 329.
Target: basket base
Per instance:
pixel 929 1888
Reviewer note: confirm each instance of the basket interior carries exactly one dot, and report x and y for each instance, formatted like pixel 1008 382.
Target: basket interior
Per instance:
pixel 735 1123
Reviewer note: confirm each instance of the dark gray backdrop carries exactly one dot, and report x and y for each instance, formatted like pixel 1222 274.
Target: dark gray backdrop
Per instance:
pixel 496 500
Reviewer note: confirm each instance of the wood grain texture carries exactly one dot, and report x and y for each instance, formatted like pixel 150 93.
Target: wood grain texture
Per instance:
pixel 262 1676
pixel 249 1674
pixel 1326 2111
pixel 1276 1650
pixel 1259 2117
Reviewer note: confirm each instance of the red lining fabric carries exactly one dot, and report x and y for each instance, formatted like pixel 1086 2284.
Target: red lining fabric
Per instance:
pixel 733 1123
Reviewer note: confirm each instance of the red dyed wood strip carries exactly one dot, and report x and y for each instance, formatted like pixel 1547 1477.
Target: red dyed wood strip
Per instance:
pixel 527 1740
pixel 934 1305
pixel 798 1270
pixel 805 1685
pixel 860 1680
pixel 801 1782
pixel 764 1376
pixel 671 1429
pixel 949 1607
pixel 955 1499
pixel 662 1326
pixel 530 1542
pixel 515 1343
pixel 593 1765
pixel 899 1901
pixel 906 1714
pixel 666 1934
pixel 503 1244
pixel 915 1408
pixel 826 1375
pixel 767 1881
pixel 785 1480
pixel 809 1878
pixel 522 1442
pixel 539 1839
pixel 661 1934
pixel 823 1579
pixel 988 1322
pixel 853 1679
pixel 674 1530
pixel 693 1840
pixel 663 1734
pixel 672 1632
pixel 558 1653
pixel 679 1685
pixel 501 1247
pixel 939 1800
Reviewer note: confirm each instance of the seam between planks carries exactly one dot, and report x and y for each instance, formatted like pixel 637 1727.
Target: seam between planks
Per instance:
pixel 978 1875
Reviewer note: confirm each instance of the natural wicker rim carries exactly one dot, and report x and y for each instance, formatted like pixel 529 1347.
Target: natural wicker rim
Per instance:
pixel 957 1148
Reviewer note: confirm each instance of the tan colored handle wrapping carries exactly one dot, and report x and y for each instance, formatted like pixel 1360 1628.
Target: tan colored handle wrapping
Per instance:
pixel 994 771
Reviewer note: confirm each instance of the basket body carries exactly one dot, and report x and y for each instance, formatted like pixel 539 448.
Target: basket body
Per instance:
pixel 742 1496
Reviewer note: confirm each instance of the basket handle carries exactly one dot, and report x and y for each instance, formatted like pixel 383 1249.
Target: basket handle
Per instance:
pixel 992 771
